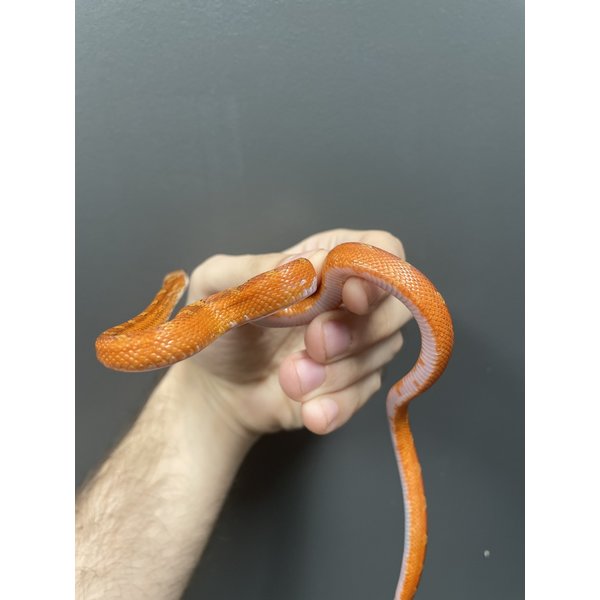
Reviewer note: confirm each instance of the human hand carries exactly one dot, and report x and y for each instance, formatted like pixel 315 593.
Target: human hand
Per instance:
pixel 262 379
pixel 155 499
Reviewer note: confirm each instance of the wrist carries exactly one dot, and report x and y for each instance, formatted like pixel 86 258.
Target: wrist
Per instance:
pixel 198 398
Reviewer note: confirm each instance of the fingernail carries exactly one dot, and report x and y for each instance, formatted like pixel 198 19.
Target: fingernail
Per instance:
pixel 336 338
pixel 310 374
pixel 330 410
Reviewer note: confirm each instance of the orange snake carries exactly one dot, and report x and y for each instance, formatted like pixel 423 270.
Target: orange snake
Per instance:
pixel 288 296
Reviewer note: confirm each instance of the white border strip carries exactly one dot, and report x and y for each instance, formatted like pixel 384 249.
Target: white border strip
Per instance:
pixel 36 246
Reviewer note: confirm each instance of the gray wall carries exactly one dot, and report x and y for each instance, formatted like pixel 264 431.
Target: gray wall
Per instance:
pixel 244 126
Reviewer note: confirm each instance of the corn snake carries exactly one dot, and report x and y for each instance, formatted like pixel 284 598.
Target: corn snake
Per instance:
pixel 291 295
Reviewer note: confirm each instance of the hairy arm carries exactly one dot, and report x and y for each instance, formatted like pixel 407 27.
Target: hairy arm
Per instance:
pixel 144 518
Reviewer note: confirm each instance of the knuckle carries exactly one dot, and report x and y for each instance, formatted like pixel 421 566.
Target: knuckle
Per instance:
pixel 205 277
pixel 394 244
pixel 208 266
pixel 393 346
pixel 398 342
pixel 376 381
pixel 370 386
pixel 256 264
pixel 385 240
pixel 197 276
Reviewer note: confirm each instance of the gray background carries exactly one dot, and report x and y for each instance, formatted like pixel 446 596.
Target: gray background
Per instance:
pixel 242 127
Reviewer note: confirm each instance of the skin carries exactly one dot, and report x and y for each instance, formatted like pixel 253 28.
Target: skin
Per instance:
pixel 145 516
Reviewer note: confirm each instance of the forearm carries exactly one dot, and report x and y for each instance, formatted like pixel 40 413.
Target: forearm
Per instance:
pixel 146 515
